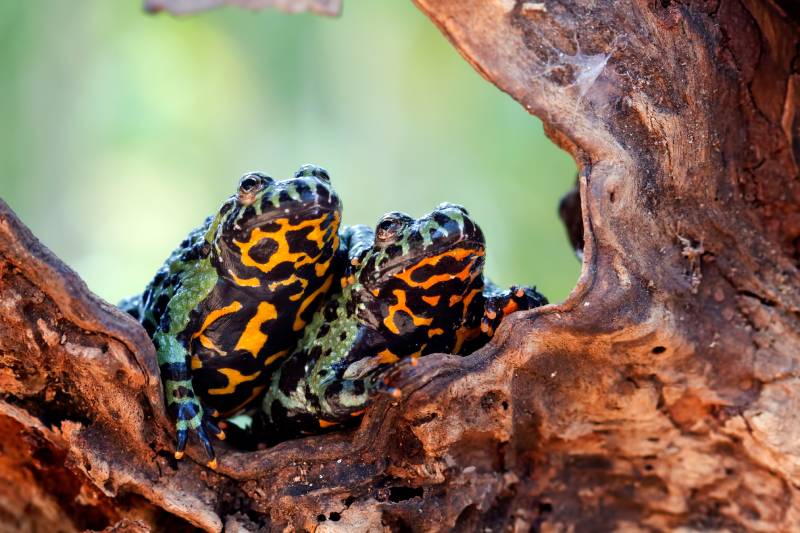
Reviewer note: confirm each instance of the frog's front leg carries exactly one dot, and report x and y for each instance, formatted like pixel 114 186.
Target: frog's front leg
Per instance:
pixel 343 401
pixel 182 403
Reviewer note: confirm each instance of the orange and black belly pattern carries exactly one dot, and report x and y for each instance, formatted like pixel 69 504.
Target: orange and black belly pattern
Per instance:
pixel 253 317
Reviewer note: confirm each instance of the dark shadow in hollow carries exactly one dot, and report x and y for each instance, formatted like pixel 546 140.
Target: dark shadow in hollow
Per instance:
pixel 569 210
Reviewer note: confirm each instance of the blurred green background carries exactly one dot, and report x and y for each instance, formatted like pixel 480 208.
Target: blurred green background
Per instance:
pixel 122 131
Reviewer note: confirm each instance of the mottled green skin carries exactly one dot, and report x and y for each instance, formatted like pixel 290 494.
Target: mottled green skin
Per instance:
pixel 233 298
pixel 417 288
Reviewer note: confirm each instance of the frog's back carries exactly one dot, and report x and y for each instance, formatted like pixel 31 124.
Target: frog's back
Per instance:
pixel 153 303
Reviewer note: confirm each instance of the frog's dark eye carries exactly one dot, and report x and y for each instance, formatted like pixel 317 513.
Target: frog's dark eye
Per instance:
pixel 389 226
pixel 249 183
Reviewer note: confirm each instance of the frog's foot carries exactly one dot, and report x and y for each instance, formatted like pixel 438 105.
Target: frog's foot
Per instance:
pixel 388 390
pixel 491 316
pixel 192 417
pixel 386 384
pixel 514 299
pixel 214 427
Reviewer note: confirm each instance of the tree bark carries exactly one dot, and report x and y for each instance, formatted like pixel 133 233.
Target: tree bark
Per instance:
pixel 662 394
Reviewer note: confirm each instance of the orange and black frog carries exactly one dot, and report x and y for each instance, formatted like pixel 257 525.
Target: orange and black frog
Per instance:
pixel 411 287
pixel 232 300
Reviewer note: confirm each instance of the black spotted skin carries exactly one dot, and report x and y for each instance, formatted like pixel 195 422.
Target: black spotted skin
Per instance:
pixel 410 288
pixel 232 301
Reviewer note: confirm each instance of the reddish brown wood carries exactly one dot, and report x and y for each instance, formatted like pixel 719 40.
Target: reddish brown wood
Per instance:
pixel 662 393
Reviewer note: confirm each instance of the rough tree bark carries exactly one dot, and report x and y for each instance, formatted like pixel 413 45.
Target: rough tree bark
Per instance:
pixel 663 393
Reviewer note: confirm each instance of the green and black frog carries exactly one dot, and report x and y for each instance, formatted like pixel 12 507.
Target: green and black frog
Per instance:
pixel 410 288
pixel 232 300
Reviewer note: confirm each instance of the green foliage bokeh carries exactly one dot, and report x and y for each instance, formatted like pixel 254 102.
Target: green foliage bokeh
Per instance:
pixel 122 131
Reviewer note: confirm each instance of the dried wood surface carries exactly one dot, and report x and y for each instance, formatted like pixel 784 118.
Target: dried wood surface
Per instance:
pixel 663 393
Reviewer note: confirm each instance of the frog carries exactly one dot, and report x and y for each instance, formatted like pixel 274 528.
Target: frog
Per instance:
pixel 410 287
pixel 233 299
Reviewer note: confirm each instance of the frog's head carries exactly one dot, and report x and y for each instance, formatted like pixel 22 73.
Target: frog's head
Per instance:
pixel 420 271
pixel 269 230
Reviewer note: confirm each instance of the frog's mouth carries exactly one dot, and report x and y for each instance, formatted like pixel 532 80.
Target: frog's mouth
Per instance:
pixel 293 214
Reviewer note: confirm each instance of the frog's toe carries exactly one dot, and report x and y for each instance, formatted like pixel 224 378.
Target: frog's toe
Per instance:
pixel 183 438
pixel 214 428
pixel 522 298
pixel 384 386
pixel 487 325
pixel 187 417
pixel 206 442
pixel 394 392
pixel 491 315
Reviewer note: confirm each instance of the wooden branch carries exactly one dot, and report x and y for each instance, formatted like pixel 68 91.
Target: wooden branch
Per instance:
pixel 662 394
pixel 670 397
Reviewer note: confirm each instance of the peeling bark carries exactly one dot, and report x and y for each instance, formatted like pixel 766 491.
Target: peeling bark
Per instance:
pixel 662 393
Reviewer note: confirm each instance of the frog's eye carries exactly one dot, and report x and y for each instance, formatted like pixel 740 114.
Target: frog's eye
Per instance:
pixel 250 183
pixel 389 226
